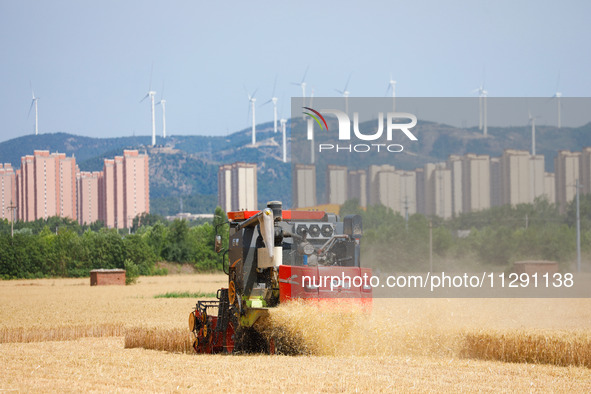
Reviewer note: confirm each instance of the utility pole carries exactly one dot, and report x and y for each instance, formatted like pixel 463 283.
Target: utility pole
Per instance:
pixel 430 246
pixel 12 207
pixel 578 186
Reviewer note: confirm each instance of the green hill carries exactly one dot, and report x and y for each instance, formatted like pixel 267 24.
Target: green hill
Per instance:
pixel 186 166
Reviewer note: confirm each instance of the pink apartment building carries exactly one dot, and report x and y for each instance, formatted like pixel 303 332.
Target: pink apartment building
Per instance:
pixel 52 185
pixel 7 191
pixel 126 189
pixel 88 197
pixel 46 186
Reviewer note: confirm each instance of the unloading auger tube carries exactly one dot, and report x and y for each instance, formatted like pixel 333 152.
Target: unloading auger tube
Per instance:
pixel 269 253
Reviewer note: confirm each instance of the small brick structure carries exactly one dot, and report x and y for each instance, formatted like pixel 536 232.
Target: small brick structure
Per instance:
pixel 531 267
pixel 102 277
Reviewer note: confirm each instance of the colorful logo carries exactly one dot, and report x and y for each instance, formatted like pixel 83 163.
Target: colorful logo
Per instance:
pixel 316 117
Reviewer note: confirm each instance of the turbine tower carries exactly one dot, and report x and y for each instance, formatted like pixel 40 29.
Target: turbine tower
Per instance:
pixel 482 120
pixel 34 103
pixel 532 120
pixel 392 87
pixel 345 93
pixel 302 84
pixel 557 96
pixel 252 101
pixel 273 100
pixel 283 122
pixel 151 95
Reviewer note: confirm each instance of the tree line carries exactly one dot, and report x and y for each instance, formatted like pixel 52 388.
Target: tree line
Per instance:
pixel 61 247
pixel 493 238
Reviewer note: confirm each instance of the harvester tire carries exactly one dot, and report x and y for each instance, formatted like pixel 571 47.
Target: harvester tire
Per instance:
pixel 192 321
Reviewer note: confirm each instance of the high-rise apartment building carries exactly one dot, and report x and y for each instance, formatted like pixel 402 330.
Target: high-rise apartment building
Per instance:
pixel 136 185
pixel 51 185
pixel 88 197
pixel 373 184
pixel 47 186
pixel 225 187
pixel 237 187
pixel 454 163
pixel 550 187
pixel 438 190
pixel 566 172
pixel 304 186
pixel 585 171
pixel 476 182
pixel 496 183
pixel 515 177
pixel 7 192
pixel 336 184
pixel 357 186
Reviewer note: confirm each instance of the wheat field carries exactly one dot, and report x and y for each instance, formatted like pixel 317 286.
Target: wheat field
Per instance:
pixel 63 335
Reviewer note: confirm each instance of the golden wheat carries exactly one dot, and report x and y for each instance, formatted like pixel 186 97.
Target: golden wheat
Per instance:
pixel 103 365
pixel 177 340
pixel 403 345
pixel 550 347
pixel 59 333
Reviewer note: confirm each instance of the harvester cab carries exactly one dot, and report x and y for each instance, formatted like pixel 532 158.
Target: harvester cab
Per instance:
pixel 275 256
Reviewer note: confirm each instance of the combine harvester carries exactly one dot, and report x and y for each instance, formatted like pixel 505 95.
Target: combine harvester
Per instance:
pixel 276 256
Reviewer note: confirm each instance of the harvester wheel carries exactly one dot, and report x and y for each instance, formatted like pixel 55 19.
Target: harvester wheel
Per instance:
pixel 204 318
pixel 205 331
pixel 192 321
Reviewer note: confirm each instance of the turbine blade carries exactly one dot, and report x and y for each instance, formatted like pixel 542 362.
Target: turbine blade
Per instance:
pixel 305 73
pixel 30 108
pixel 347 84
pixel 145 97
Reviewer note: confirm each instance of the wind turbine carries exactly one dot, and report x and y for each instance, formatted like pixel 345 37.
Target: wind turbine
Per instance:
pixel 302 84
pixel 34 103
pixel 345 93
pixel 392 87
pixel 532 121
pixel 273 100
pixel 482 121
pixel 163 103
pixel 283 122
pixel 252 101
pixel 557 96
pixel 151 95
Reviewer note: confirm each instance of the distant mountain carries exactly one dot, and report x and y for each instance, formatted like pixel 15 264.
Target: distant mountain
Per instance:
pixel 84 148
pixel 187 165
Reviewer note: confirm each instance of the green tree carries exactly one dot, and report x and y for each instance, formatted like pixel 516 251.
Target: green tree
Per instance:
pixel 138 251
pixel 178 247
pixel 205 257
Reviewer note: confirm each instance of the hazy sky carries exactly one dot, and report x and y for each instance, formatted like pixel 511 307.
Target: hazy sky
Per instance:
pixel 89 62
